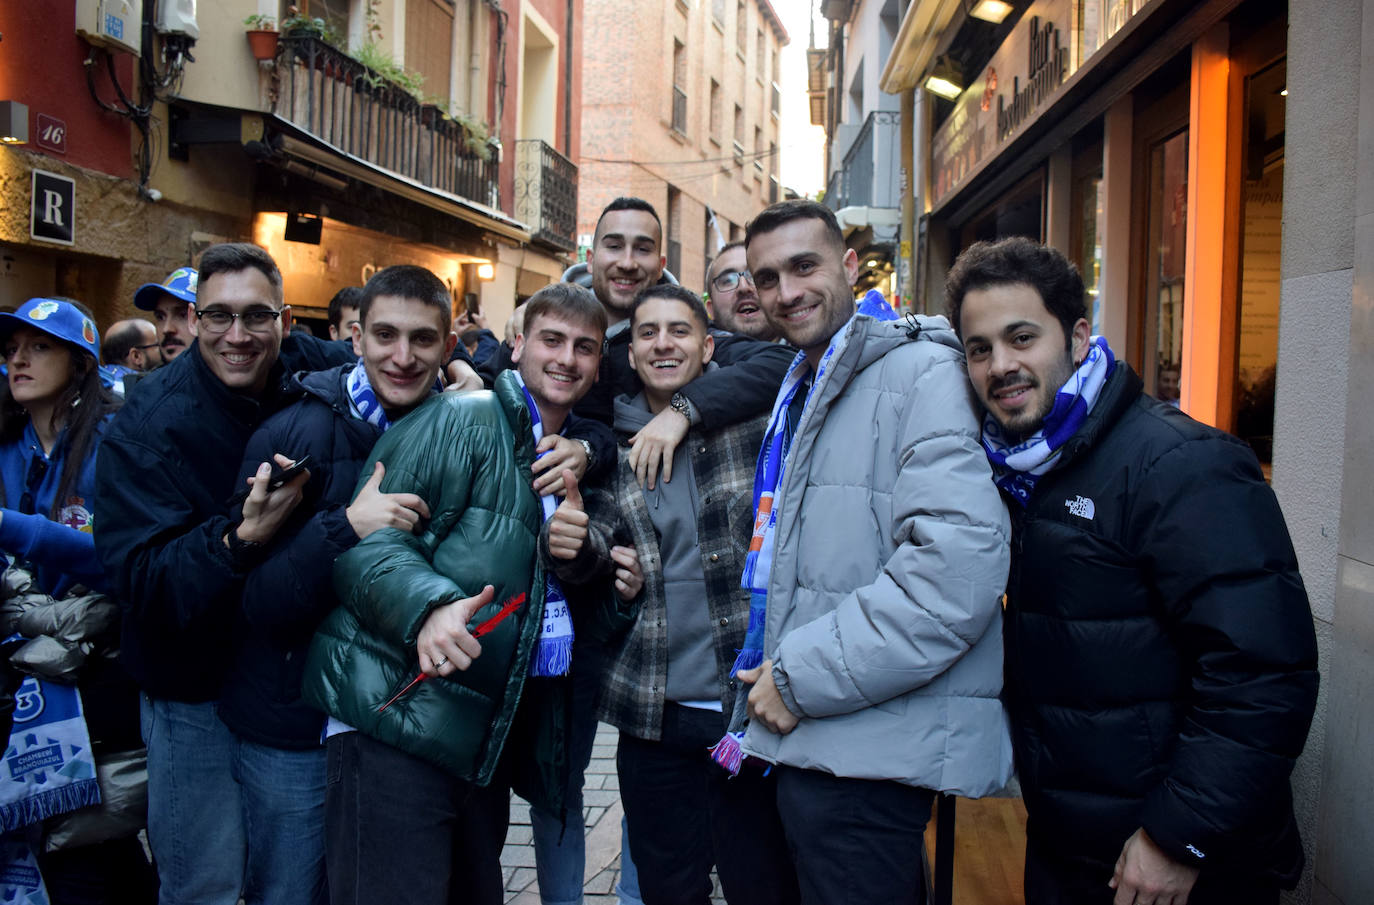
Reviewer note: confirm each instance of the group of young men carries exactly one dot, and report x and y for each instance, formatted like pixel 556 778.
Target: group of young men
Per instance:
pixel 768 539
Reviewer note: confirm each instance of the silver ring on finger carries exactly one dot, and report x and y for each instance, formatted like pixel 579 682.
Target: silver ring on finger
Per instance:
pixel 440 663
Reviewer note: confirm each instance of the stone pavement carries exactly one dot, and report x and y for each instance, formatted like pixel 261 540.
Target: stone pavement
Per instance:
pixel 602 813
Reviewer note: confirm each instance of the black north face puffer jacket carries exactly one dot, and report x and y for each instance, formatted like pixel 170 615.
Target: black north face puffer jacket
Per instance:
pixel 1160 653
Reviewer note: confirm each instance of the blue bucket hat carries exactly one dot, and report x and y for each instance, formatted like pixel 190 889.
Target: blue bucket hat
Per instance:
pixel 60 319
pixel 180 283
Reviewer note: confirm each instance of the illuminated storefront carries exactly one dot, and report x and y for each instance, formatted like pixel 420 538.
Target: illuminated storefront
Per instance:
pixel 1145 140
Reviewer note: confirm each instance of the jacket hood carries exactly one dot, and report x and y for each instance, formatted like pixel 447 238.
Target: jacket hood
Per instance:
pixel 326 386
pixel 866 340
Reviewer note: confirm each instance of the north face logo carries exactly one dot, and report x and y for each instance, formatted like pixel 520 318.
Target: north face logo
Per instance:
pixel 1080 506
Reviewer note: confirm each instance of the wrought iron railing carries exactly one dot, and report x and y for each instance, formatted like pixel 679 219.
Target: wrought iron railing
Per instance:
pixel 679 110
pixel 546 193
pixel 339 100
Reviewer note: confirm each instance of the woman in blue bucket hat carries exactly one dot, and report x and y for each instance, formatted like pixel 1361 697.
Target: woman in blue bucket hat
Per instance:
pixel 53 410
pixel 53 413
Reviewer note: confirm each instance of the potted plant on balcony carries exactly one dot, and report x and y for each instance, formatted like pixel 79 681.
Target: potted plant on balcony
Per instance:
pixel 262 36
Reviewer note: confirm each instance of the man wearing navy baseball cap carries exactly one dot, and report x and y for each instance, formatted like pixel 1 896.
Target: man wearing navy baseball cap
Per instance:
pixel 169 301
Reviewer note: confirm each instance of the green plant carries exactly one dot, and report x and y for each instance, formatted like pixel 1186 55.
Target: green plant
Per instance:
pixel 476 135
pixel 384 68
pixel 259 22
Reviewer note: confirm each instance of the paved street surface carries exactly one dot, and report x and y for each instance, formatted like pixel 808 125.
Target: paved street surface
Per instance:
pixel 601 806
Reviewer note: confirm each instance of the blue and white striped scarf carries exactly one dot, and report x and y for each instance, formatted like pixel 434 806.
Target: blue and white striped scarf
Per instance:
pixel 553 657
pixel 363 401
pixel 1018 466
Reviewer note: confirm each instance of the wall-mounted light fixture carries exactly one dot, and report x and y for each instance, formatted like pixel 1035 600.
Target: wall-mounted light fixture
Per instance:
pixel 945 79
pixel 993 11
pixel 14 123
pixel 485 271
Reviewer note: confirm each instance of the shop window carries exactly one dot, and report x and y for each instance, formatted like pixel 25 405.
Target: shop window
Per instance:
pixel 1167 264
pixel 1261 241
pixel 1087 225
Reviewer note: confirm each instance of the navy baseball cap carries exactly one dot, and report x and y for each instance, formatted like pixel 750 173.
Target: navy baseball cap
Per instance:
pixel 180 283
pixel 57 318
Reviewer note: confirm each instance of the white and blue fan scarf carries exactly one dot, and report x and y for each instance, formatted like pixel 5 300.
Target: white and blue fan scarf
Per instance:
pixel 363 401
pixel 1019 465
pixel 553 657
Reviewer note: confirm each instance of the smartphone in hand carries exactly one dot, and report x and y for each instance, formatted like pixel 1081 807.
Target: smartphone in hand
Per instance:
pixel 281 475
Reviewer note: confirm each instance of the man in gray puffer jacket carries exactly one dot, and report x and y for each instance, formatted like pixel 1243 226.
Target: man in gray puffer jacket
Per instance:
pixel 878 565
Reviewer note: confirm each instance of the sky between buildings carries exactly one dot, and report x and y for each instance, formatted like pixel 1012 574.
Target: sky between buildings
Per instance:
pixel 801 153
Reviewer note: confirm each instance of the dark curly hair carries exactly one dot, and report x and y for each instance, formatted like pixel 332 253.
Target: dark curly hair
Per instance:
pixel 1018 260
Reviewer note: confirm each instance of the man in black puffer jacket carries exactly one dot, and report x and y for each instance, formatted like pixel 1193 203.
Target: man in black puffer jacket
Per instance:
pixel 1160 655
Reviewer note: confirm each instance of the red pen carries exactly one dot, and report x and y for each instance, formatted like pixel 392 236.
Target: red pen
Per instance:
pixel 510 606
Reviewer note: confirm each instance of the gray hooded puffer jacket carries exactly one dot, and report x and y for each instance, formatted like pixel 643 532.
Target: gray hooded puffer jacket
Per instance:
pixel 884 615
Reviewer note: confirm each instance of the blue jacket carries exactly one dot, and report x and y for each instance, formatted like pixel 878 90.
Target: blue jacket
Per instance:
pixel 62 550
pixel 165 478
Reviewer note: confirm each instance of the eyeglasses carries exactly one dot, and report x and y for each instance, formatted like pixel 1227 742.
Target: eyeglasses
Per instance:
pixel 729 280
pixel 259 320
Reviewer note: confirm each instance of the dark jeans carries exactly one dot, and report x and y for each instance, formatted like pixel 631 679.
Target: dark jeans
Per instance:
pixel 685 814
pixel 400 830
pixel 854 841
pixel 1056 881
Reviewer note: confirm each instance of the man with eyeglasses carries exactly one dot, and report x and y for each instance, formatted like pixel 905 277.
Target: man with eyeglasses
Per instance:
pixel 179 535
pixel 732 298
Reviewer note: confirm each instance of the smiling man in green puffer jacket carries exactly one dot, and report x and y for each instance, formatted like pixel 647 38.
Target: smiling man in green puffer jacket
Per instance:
pixel 430 783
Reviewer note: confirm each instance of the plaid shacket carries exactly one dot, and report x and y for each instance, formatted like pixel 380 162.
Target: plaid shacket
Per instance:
pixel 723 461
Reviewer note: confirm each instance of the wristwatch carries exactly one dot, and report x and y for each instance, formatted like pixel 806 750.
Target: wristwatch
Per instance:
pixel 682 405
pixel 244 554
pixel 587 448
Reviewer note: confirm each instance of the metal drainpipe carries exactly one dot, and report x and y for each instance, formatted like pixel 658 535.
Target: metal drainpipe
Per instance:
pixel 567 81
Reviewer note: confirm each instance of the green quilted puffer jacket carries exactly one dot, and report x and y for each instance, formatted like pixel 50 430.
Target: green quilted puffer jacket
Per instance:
pixel 468 456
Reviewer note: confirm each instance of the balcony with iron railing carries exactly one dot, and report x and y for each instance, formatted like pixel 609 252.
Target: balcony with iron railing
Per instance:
pixel 868 175
pixel 340 101
pixel 546 193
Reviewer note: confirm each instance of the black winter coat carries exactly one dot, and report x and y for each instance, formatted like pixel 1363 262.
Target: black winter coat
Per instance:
pixel 1160 653
pixel 292 589
pixel 165 477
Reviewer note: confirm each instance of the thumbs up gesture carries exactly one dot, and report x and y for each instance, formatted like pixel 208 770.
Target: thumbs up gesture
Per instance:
pixel 568 526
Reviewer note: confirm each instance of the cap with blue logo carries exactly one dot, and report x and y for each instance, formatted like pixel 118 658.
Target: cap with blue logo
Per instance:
pixel 57 318
pixel 180 283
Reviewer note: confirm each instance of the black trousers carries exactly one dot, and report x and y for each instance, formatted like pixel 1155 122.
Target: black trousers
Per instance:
pixel 400 830
pixel 1052 880
pixel 686 813
pixel 854 841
